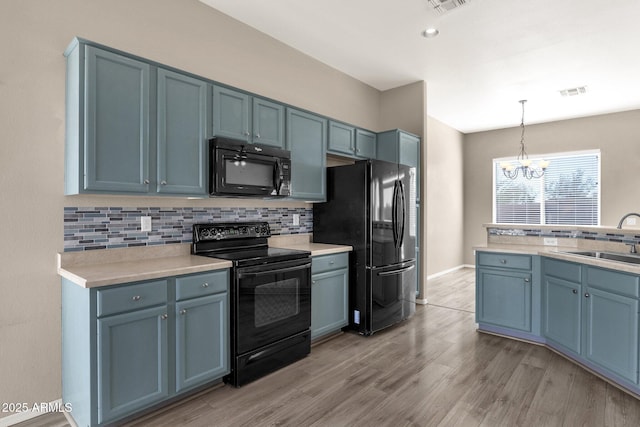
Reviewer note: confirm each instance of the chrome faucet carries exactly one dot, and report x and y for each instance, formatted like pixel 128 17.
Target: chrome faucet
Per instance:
pixel 625 217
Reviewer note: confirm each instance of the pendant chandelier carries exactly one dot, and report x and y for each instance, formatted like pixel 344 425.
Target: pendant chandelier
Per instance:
pixel 523 166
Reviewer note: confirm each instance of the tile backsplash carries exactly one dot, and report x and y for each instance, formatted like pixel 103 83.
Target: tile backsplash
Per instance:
pixel 119 227
pixel 568 234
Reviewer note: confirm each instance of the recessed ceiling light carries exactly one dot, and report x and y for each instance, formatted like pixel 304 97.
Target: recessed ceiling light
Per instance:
pixel 430 33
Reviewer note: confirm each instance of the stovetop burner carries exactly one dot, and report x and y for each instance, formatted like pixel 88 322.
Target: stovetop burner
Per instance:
pixel 243 243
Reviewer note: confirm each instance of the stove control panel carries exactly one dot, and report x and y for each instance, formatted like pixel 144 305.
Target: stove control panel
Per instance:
pixel 225 231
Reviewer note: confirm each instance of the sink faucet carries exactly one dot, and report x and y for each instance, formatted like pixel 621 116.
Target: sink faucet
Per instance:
pixel 627 216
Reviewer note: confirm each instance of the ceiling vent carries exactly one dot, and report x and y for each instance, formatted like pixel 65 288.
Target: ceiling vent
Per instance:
pixel 574 91
pixel 444 6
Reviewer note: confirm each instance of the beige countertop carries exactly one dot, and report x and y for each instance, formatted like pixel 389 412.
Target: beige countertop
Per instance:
pixel 316 249
pixel 90 269
pixel 559 252
pixel 97 268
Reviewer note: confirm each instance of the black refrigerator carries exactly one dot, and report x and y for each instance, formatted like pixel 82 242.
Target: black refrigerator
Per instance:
pixel 371 205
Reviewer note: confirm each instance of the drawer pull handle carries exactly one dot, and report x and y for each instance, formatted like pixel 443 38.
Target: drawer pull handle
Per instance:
pixel 137 298
pixel 164 317
pixel 587 295
pixel 183 311
pixel 575 291
pixel 205 285
pixel 503 261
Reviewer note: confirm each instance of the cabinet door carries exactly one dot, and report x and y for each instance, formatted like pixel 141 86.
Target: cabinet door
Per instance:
pixel 230 113
pixel 132 362
pixel 365 144
pixel 612 332
pixel 268 123
pixel 182 134
pixel 202 340
pixel 329 302
pixel 562 313
pixel 504 298
pixel 307 141
pixel 341 139
pixel 116 156
pixel 409 154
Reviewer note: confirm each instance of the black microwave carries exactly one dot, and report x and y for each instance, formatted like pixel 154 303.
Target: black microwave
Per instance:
pixel 237 168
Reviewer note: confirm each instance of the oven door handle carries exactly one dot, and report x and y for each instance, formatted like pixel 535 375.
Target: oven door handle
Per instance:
pixel 275 270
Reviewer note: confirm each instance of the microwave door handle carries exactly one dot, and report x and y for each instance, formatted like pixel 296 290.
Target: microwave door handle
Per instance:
pixel 277 176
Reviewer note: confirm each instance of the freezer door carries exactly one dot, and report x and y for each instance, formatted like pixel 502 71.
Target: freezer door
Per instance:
pixel 393 294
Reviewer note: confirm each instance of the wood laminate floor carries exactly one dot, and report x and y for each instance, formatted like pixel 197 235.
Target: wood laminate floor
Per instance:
pixel 432 370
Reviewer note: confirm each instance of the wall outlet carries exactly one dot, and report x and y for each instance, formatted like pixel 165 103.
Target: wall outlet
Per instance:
pixel 550 241
pixel 145 223
pixel 631 221
pixel 296 219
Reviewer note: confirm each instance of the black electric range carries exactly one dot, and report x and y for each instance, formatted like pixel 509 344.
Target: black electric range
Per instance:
pixel 270 297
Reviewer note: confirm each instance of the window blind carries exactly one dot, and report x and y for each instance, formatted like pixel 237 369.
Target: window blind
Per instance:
pixel 568 193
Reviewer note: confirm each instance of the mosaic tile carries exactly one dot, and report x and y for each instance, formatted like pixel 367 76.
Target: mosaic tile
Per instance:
pixel 89 228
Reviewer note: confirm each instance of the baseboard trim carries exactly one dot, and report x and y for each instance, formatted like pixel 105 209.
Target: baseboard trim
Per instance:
pixel 31 413
pixel 451 270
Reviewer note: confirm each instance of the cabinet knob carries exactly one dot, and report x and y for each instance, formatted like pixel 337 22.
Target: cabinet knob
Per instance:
pixel 163 183
pixel 313 282
pixel 503 261
pixel 246 133
pixel 164 317
pixel 526 280
pixel 257 135
pixel 183 311
pixel 146 181
pixel 575 291
pixel 137 298
pixel 205 285
pixel 332 262
pixel 586 295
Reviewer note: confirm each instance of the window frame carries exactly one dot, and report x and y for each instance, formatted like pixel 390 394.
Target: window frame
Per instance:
pixel 550 156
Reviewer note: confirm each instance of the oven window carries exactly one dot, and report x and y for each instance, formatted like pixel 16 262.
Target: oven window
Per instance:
pixel 276 301
pixel 248 172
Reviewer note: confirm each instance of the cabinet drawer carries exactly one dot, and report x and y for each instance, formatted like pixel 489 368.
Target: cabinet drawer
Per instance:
pixel 563 270
pixel 490 259
pixel 199 285
pixel 323 263
pixel 613 281
pixel 131 297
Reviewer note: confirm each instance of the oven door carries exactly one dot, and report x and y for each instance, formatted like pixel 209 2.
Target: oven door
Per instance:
pixel 241 173
pixel 273 302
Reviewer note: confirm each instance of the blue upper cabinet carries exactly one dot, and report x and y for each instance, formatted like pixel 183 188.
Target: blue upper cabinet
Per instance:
pixel 230 113
pixel 402 147
pixel 307 141
pixel 182 134
pixel 341 139
pixel 133 128
pixel 238 115
pixel 268 123
pixel 346 140
pixel 365 144
pixel 116 123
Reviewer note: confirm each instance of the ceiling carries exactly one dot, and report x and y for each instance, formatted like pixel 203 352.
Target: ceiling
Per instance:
pixel 489 54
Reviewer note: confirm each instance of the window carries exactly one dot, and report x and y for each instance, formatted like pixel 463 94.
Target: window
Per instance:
pixel 567 194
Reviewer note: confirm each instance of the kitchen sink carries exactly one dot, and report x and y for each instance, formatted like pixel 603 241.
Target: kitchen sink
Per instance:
pixel 611 256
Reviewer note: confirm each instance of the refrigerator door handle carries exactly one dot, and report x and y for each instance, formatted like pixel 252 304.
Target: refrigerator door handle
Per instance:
pixel 394 214
pixel 404 214
pixel 398 271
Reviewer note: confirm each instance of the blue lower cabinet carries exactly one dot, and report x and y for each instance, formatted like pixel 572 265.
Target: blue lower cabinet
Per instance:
pixel 202 340
pixel 504 298
pixel 132 362
pixel 329 294
pixel 562 313
pixel 612 332
pixel 128 347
